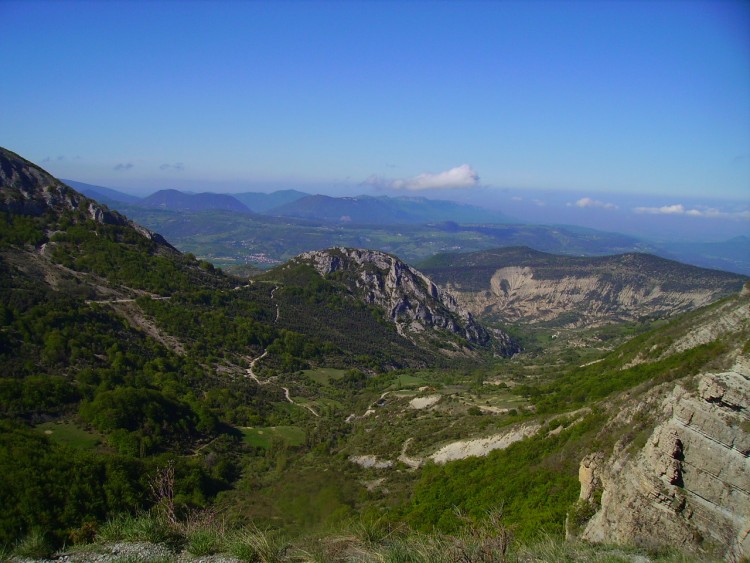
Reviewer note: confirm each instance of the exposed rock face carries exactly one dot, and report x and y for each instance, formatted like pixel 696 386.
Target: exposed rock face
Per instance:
pixel 690 484
pixel 483 446
pixel 411 300
pixel 26 189
pixel 528 286
pixel 516 294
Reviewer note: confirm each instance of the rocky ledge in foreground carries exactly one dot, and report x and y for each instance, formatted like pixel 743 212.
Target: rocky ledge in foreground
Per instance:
pixel 690 484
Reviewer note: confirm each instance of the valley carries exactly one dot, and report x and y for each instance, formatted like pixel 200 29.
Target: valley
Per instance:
pixel 349 402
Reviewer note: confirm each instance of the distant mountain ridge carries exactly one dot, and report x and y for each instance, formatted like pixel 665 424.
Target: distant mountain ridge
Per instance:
pixel 732 255
pixel 385 210
pixel 262 202
pixel 178 201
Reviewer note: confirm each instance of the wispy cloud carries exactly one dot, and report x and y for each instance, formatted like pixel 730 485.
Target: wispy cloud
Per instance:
pixel 176 166
pixel 588 202
pixel 463 176
pixel 123 166
pixel 679 209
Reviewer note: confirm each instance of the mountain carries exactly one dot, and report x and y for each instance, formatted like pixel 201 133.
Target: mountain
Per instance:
pixel 685 478
pixel 227 238
pixel 418 309
pixel 143 390
pixel 261 202
pixel 117 350
pixel 175 200
pixel 424 210
pixel 524 285
pixel 658 431
pixel 384 210
pixel 341 210
pixel 732 255
pixel 29 191
pixel 108 196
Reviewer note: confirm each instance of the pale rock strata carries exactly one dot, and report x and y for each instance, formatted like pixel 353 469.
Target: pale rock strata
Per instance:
pixel 689 486
pixel 518 293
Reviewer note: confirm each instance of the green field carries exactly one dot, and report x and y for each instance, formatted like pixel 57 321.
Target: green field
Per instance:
pixel 407 380
pixel 260 437
pixel 69 434
pixel 323 376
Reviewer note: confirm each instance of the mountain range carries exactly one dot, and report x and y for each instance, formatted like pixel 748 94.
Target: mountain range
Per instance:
pixel 145 391
pixel 326 221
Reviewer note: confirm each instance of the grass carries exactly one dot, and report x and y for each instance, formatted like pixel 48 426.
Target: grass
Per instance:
pixel 262 437
pixel 34 546
pixel 323 376
pixel 70 434
pixel 143 527
pixel 407 380
pixel 360 539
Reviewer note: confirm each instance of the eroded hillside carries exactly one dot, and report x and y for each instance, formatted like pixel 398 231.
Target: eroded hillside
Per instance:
pixel 520 285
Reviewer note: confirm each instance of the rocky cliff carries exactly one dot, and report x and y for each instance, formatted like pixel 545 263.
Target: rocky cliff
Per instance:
pixel 688 484
pixel 415 304
pixel 523 285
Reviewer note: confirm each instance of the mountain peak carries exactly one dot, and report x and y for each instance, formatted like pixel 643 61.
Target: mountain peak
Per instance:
pixel 27 189
pixel 410 299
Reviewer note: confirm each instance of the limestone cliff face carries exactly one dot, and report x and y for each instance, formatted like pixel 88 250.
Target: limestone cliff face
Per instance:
pixel 411 300
pixel 522 285
pixel 689 486
pixel 516 294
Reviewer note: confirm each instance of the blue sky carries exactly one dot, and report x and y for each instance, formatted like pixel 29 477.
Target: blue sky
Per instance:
pixel 647 101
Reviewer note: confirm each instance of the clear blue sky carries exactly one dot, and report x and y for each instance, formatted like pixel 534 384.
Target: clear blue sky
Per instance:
pixel 594 98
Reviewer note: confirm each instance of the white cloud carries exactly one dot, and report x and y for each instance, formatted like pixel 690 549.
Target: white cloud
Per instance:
pixel 463 176
pixel 679 209
pixel 588 202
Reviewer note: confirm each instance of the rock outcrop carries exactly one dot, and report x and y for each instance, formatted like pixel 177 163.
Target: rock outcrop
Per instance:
pixel 689 486
pixel 29 190
pixel 410 299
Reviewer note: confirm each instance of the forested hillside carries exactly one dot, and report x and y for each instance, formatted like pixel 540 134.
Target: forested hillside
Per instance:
pixel 121 355
pixel 148 396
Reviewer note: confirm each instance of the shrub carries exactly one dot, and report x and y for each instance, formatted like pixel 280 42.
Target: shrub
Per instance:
pixel 34 546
